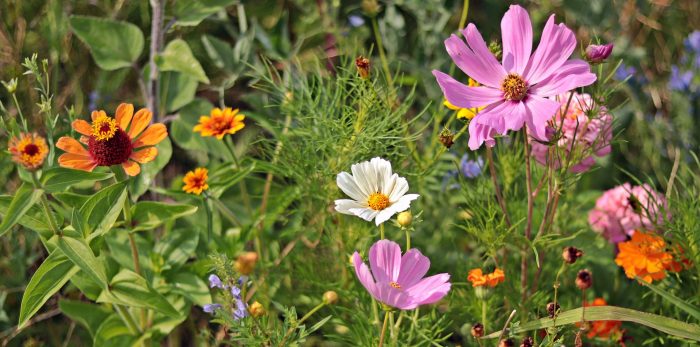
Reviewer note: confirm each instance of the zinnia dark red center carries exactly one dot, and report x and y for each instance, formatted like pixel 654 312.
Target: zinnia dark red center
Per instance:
pixel 31 149
pixel 113 151
pixel 514 87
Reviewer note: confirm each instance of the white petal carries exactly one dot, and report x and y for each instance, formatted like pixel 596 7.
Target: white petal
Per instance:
pixel 349 186
pixel 365 213
pixel 384 215
pixel 382 170
pixel 399 190
pixel 389 184
pixel 345 206
pixel 365 177
pixel 404 202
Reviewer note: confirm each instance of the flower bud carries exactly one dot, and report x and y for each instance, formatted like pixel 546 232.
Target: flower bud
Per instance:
pixel 447 138
pixel 552 309
pixel 478 330
pixel 506 343
pixel 330 297
pixel 11 86
pixel 404 219
pixel 483 292
pixel 596 54
pixel 245 264
pixel 584 279
pixel 571 254
pixel 257 310
pixel 370 7
pixel 495 48
pixel 363 66
pixel 527 342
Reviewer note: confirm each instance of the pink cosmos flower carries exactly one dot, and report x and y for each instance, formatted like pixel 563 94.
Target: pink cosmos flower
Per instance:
pixel 622 210
pixel 515 92
pixel 398 281
pixel 597 54
pixel 590 136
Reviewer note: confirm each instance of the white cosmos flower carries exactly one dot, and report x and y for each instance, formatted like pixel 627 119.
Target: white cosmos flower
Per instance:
pixel 376 192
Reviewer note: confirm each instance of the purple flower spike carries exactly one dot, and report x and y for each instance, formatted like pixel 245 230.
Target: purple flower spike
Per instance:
pixel 241 310
pixel 236 292
pixel 471 168
pixel 596 54
pixel 215 282
pixel 211 308
pixel 398 281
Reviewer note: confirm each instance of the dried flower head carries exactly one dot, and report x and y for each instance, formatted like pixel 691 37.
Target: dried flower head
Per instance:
pixel 571 254
pixel 28 150
pixel 447 138
pixel 506 343
pixel 477 330
pixel 527 342
pixel 552 309
pixel 363 66
pixel 584 279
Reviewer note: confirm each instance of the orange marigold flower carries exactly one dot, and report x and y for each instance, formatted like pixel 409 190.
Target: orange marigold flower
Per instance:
pixel 220 122
pixel 603 329
pixel 125 140
pixel 28 150
pixel 646 256
pixel 479 279
pixel 196 181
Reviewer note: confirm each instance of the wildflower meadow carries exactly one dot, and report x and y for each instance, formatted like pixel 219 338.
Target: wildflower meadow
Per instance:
pixel 350 173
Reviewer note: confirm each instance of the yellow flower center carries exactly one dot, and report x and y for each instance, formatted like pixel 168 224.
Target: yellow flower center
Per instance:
pixel 378 201
pixel 395 285
pixel 514 87
pixel 104 128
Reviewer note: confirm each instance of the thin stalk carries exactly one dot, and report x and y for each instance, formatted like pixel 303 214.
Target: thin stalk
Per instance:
pixel 383 332
pixel 45 206
pixel 505 327
pixel 128 319
pixel 226 212
pixel 242 21
pixel 483 313
pixel 381 231
pixel 210 221
pixel 528 226
pixel 19 111
pixel 298 323
pixel 241 186
pixel 158 7
pixel 382 54
pixel 499 195
pixel 408 238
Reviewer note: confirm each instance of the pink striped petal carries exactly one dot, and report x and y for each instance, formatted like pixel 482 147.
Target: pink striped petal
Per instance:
pixel 495 116
pixel 516 31
pixel 363 274
pixel 556 45
pixel 395 297
pixel 385 261
pixel 539 110
pixel 414 265
pixel 430 289
pixel 464 96
pixel 572 74
pixel 476 60
pixel 479 134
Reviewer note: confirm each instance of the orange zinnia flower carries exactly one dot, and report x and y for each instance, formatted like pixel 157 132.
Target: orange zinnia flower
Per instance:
pixel 646 256
pixel 603 328
pixel 29 150
pixel 196 181
pixel 478 279
pixel 125 140
pixel 220 122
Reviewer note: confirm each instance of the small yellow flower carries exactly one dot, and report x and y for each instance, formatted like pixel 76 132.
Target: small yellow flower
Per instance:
pixel 29 150
pixel 220 122
pixel 196 181
pixel 257 310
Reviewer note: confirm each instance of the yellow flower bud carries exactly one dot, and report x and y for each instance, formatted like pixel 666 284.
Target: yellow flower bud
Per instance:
pixel 405 218
pixel 257 310
pixel 245 264
pixel 330 297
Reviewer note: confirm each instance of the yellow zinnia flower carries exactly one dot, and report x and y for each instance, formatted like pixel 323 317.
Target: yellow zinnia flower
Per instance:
pixel 196 181
pixel 220 122
pixel 29 150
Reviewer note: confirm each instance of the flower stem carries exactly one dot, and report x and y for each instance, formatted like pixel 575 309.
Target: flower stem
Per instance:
pixel 128 319
pixel 383 332
pixel 45 205
pixel 226 212
pixel 382 54
pixel 499 195
pixel 241 185
pixel 483 314
pixel 408 238
pixel 381 231
pixel 210 221
pixel 528 226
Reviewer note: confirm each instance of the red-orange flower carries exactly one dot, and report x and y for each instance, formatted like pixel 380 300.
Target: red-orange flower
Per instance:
pixel 28 150
pixel 196 181
pixel 220 122
pixel 603 328
pixel 646 256
pixel 125 140
pixel 479 279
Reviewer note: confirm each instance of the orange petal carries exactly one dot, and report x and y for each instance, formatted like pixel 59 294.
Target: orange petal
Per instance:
pixel 76 161
pixel 140 121
pixel 82 127
pixel 152 136
pixel 85 140
pixel 145 155
pixel 124 113
pixel 71 145
pixel 131 168
pixel 96 114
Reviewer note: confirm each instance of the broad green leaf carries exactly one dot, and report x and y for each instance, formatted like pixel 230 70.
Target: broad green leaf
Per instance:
pixel 48 279
pixel 177 90
pixel 595 313
pixel 147 215
pixel 58 178
pixel 86 285
pixel 177 56
pixel 220 184
pixel 177 246
pixel 191 13
pixel 25 197
pixel 113 332
pixel 102 209
pixel 113 44
pixel 120 251
pixel 71 199
pixel 78 251
pixel 34 218
pixel 87 314
pixel 190 286
pixel 682 304
pixel 219 51
pixel 130 289
pixel 139 184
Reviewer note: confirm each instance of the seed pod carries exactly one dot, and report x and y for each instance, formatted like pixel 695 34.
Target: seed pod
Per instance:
pixel 447 138
pixel 363 66
pixel 571 254
pixel 552 309
pixel 478 330
pixel 584 279
pixel 506 343
pixel 527 342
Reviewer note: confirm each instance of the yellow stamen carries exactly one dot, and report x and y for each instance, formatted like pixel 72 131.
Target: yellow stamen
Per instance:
pixel 395 285
pixel 104 128
pixel 514 87
pixel 378 201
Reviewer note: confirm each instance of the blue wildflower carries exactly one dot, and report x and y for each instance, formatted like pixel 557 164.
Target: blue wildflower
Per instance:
pixel 680 81
pixel 692 42
pixel 241 310
pixel 236 292
pixel 215 282
pixel 624 71
pixel 356 21
pixel 471 168
pixel 211 308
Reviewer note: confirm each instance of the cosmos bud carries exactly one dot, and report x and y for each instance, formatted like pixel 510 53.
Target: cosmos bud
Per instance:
pixel 584 279
pixel 404 219
pixel 596 54
pixel 552 309
pixel 571 254
pixel 245 264
pixel 370 7
pixel 363 66
pixel 330 297
pixel 447 138
pixel 478 330
pixel 527 342
pixel 257 310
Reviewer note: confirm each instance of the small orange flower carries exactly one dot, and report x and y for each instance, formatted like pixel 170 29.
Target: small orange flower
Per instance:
pixel 196 181
pixel 478 279
pixel 603 328
pixel 125 140
pixel 29 150
pixel 646 256
pixel 220 122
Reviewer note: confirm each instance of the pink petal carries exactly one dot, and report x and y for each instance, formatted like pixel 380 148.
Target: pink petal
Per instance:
pixel 395 297
pixel 556 45
pixel 538 111
pixel 430 289
pixel 385 260
pixel 571 75
pixel 363 274
pixel 476 60
pixel 464 96
pixel 497 116
pixel 516 30
pixel 414 265
pixel 479 134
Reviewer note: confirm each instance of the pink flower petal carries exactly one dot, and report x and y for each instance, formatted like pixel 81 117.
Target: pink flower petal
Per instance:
pixel 385 261
pixel 496 116
pixel 556 45
pixel 464 96
pixel 479 134
pixel 363 274
pixel 414 265
pixel 430 289
pixel 516 30
pixel 476 60
pixel 571 75
pixel 539 110
pixel 394 297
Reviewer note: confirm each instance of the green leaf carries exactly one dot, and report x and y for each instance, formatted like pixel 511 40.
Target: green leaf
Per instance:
pixel 87 314
pixel 190 286
pixel 34 219
pixel 25 197
pixel 102 209
pixel 177 246
pixel 48 279
pixel 78 251
pixel 147 215
pixel 177 90
pixel 58 178
pixel 177 56
pixel 219 52
pixel 130 289
pixel 191 13
pixel 595 313
pixel 220 184
pixel 113 332
pixel 682 304
pixel 113 44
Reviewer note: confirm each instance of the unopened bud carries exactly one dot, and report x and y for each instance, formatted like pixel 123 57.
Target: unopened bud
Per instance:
pixel 363 66
pixel 330 297
pixel 527 342
pixel 571 254
pixel 495 49
pixel 257 310
pixel 370 7
pixel 11 86
pixel 404 219
pixel 596 54
pixel 478 330
pixel 245 264
pixel 447 138
pixel 552 309
pixel 506 343
pixel 584 279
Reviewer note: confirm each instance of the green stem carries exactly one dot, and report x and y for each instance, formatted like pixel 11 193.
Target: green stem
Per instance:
pixel 210 221
pixel 298 323
pixel 483 314
pixel 226 212
pixel 408 238
pixel 45 206
pixel 19 111
pixel 382 55
pixel 383 332
pixel 241 186
pixel 381 231
pixel 128 319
